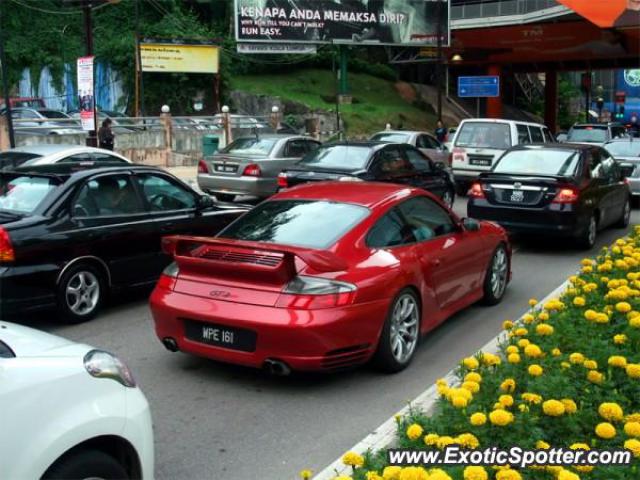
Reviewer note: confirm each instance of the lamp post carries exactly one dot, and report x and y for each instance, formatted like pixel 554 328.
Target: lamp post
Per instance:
pixel 439 60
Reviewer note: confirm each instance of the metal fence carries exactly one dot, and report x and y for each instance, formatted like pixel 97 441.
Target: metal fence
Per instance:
pixel 499 8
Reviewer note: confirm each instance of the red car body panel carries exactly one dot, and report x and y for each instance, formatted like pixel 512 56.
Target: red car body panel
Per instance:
pixel 447 272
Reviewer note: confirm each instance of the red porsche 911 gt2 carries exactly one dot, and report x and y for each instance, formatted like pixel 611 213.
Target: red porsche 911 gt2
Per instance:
pixel 327 276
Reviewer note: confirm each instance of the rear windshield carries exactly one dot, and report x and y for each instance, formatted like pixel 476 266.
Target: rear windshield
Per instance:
pixel 14 159
pixel 539 162
pixel 484 135
pixel 23 194
pixel 338 157
pixel 588 134
pixel 53 114
pixel 306 223
pixel 390 137
pixel 624 149
pixel 251 146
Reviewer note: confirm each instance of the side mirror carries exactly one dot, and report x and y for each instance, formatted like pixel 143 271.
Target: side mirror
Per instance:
pixel 470 224
pixel 204 202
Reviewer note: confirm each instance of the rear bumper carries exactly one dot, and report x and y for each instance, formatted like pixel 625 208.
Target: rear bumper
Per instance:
pixel 467 175
pixel 27 288
pixel 326 339
pixel 256 186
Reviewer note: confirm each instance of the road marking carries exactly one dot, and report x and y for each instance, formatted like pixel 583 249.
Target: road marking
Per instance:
pixel 385 434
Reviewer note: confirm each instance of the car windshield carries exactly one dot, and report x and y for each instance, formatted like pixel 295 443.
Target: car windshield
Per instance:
pixel 251 146
pixel 53 114
pixel 14 159
pixel 390 137
pixel 539 162
pixel 24 193
pixel 624 149
pixel 588 134
pixel 307 223
pixel 338 157
pixel 484 135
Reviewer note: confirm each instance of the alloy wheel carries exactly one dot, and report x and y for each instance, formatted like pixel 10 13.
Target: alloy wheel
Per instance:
pixel 593 231
pixel 499 272
pixel 83 292
pixel 404 328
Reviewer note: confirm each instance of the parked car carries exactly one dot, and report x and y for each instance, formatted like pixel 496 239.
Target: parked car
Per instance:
pixel 371 161
pixel 595 133
pixel 327 276
pixel 34 121
pixel 626 152
pixel 73 411
pixel 423 141
pixel 70 234
pixel 561 137
pixel 120 122
pixel 46 154
pixel 563 189
pixel 479 143
pixel 250 165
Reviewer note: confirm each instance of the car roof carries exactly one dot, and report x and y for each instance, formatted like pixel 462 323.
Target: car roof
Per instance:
pixel 372 144
pixel 553 146
pixel 274 136
pixel 80 169
pixel 45 149
pixel 501 120
pixel 408 132
pixel 366 194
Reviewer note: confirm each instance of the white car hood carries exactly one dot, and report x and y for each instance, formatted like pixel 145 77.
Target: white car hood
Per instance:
pixel 29 342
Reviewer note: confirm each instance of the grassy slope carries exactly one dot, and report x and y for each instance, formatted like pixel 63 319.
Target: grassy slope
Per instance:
pixel 378 101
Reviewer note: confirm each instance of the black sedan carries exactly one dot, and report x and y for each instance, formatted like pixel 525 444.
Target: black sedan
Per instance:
pixel 70 235
pixel 555 189
pixel 373 161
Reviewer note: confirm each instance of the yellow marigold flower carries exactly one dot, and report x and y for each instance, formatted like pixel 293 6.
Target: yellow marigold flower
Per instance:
pixel 633 417
pixel 355 460
pixel 438 474
pixel 506 400
pixel 501 417
pixel 463 392
pixel 565 365
pixel 544 329
pixel 605 430
pixel 542 445
pixel 553 408
pixel 373 476
pixel 523 408
pixel 473 387
pixel 444 441
pixel 414 431
pixel 586 261
pixel 567 475
pixel 535 370
pixel 569 405
pixel 478 419
pixel 520 332
pixel 590 364
pixel 580 446
pixel 441 381
pixel 473 377
pixel 595 376
pixel 543 316
pixel 635 322
pixel 468 440
pixel 573 279
pixel 532 350
pixel 533 302
pixel 620 339
pixel 512 349
pixel 633 370
pixel 591 315
pixel 528 318
pixel 443 390
pixel 475 473
pixel 632 429
pixel 634 446
pixel 509 385
pixel 611 411
pixel 602 318
pixel 391 473
pixel 532 398
pixel 576 358
pixel 623 307
pixel 306 474
pixel 632 314
pixel 617 361
pixel 554 305
pixel 471 363
pixel 508 475
pixel 490 359
pixel 459 402
pixel 413 473
pixel 507 325
pixel 431 439
pixel 556 352
pixel 513 358
pixel 523 342
pixel 343 477
pixel 579 301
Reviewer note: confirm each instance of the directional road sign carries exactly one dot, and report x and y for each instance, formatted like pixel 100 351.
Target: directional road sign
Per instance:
pixel 480 86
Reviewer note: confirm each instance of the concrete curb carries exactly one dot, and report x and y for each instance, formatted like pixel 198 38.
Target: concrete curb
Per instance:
pixel 385 434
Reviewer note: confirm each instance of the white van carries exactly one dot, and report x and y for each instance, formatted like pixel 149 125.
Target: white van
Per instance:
pixel 479 142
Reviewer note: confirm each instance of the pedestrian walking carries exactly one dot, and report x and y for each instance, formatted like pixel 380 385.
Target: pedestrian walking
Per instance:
pixel 105 135
pixel 441 132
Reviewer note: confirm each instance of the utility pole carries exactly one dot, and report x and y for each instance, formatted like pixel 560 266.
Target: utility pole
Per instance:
pixel 92 139
pixel 5 79
pixel 139 75
pixel 439 59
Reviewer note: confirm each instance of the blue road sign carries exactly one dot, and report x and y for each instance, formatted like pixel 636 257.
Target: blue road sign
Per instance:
pixel 481 86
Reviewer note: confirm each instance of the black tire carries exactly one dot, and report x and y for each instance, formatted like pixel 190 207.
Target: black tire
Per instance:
pixel 384 358
pixel 452 198
pixel 626 215
pixel 86 464
pixel 497 276
pixel 462 189
pixel 587 239
pixel 225 197
pixel 89 303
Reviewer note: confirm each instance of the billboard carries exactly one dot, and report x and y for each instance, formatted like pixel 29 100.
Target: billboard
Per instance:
pixel 607 13
pixel 168 57
pixel 378 22
pixel 86 98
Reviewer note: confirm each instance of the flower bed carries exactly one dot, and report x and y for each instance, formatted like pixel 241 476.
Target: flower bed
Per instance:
pixel 568 376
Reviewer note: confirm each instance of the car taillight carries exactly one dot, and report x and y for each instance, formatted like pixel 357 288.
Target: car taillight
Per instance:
pixel 311 293
pixel 457 155
pixel 567 195
pixel 202 167
pixel 476 190
pixel 282 180
pixel 252 170
pixel 7 254
pixel 169 277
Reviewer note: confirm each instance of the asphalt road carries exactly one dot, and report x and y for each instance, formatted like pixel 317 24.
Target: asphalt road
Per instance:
pixel 215 421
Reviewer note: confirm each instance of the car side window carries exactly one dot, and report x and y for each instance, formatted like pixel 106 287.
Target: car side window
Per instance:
pixel 107 195
pixel 392 162
pixel 523 134
pixel 609 167
pixel 390 231
pixel 104 157
pixel 295 148
pixel 79 157
pixel 595 164
pixel 417 160
pixel 163 195
pixel 536 135
pixel 548 138
pixel 426 218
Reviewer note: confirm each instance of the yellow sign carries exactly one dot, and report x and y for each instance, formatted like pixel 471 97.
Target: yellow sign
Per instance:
pixel 171 58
